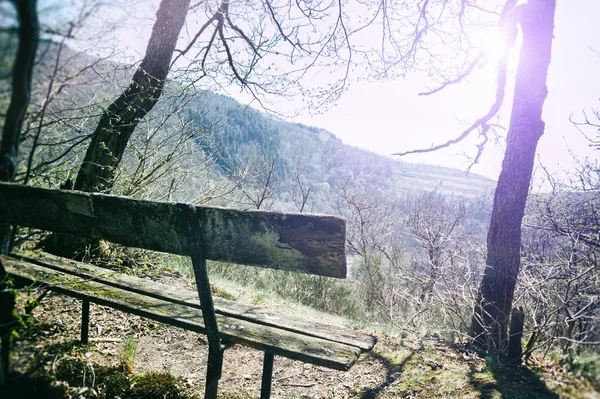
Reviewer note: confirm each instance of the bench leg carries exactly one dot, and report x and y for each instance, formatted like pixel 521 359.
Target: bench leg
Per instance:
pixel 215 347
pixel 265 389
pixel 7 304
pixel 85 321
pixel 213 372
pixel 4 359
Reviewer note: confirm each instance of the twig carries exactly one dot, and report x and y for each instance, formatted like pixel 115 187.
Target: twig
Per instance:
pixel 307 385
pixel 104 339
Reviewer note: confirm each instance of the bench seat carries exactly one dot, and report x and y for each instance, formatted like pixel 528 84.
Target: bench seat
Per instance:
pixel 295 338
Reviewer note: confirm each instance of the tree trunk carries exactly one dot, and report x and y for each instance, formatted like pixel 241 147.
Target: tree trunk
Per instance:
pixel 514 353
pixel 491 313
pixel 9 153
pixel 121 118
pixel 19 101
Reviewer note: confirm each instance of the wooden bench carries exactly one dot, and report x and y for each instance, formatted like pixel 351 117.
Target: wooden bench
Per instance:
pixel 294 242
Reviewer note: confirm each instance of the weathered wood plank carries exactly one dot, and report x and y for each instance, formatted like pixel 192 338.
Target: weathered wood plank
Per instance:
pixel 297 242
pixel 190 298
pixel 277 341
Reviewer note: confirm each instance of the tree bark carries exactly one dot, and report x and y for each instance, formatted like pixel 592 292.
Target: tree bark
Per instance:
pixel 515 349
pixel 491 313
pixel 120 119
pixel 21 93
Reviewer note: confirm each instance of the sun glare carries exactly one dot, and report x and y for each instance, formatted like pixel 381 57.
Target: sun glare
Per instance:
pixel 494 47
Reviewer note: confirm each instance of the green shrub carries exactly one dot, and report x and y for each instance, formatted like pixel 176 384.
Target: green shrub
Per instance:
pixel 127 353
pixel 587 364
pixel 155 385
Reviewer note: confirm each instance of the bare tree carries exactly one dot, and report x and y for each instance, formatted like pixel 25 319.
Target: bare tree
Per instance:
pixel 589 127
pixel 237 42
pixel 560 284
pixel 433 221
pixel 371 221
pixel 68 89
pixel 121 118
pixel 302 188
pixel 269 47
pixel 535 18
pixel 258 179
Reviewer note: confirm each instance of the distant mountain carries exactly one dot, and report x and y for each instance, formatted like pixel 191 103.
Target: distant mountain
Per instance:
pixel 323 157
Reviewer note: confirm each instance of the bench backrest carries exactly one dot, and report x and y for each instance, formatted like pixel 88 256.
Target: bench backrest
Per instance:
pixel 311 244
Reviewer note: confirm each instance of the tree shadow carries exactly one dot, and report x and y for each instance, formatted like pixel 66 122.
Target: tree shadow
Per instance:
pixel 393 372
pixel 31 385
pixel 509 382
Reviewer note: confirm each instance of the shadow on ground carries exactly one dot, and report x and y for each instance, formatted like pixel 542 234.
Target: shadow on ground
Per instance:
pixel 439 370
pixel 392 373
pixel 514 382
pixel 31 386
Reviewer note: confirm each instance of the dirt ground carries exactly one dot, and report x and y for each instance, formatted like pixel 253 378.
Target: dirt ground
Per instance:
pixel 402 365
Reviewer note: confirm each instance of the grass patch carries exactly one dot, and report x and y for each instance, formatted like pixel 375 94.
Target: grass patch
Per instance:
pixel 221 293
pixel 258 298
pixel 127 353
pixel 179 264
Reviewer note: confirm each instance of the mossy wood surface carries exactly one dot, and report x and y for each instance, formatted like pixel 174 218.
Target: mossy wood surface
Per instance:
pixel 278 341
pixel 225 307
pixel 296 242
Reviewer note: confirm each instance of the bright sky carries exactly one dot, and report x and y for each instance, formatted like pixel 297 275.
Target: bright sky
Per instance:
pixel 390 117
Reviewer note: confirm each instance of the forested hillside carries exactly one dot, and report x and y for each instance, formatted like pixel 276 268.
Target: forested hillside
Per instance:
pixel 235 130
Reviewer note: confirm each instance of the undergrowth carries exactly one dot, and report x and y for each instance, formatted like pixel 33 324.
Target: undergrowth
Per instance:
pixel 73 376
pixel 322 293
pixel 587 365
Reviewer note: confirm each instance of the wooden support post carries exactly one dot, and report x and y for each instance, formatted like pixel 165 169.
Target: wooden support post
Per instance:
pixel 7 305
pixel 4 359
pixel 265 389
pixel 213 372
pixel 215 347
pixel 85 321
